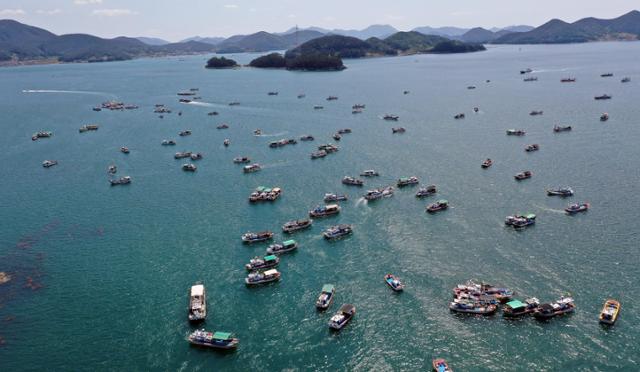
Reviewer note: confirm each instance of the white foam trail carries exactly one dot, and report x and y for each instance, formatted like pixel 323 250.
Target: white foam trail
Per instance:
pixel 546 209
pixel 203 104
pixel 361 201
pixel 273 135
pixel 65 91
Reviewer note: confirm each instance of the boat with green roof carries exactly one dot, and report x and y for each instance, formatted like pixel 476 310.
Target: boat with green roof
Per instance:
pixel 266 262
pixel 216 340
pixel 516 308
pixel 406 181
pixel 325 299
pixel 286 246
pixel 257 277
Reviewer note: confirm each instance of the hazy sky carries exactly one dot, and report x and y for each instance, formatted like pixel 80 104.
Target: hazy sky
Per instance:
pixel 177 19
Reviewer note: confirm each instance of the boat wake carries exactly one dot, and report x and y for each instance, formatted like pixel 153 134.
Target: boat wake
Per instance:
pixel 203 104
pixel 547 209
pixel 279 134
pixel 66 92
pixel 361 201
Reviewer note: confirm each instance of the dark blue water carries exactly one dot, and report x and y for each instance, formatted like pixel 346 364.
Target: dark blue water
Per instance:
pixel 100 274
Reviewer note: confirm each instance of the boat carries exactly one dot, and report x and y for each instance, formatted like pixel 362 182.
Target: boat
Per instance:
pixel 459 116
pixel 234 103
pixel 532 147
pixel 601 97
pixel 187 93
pixel 185 133
pixel 168 143
pixel 216 340
pixel 318 154
pixel 375 194
pixel 482 293
pixel 272 93
pixel 222 126
pixel 344 131
pixel 398 130
pixel 242 160
pixel 391 117
pixel 88 127
pixel 563 306
pixel 196 156
pixel 328 147
pixel 487 163
pixel 532 78
pixel 440 365
pixel 112 169
pixel 604 117
pixel 257 237
pixel 347 180
pixel 394 282
pixel 609 313
pixel 608 74
pixel 536 112
pixel 307 137
pixel 471 87
pixel 258 263
pixel 332 98
pixel 318 107
pixel 625 80
pixel 295 225
pixel 357 111
pixel 526 71
pixel 337 136
pixel 189 167
pixel 358 106
pixel 124 150
pixel 301 95
pixel 212 113
pixel 426 191
pixel 406 92
pixel 331 197
pixel 251 168
pixel 516 308
pixel 182 155
pixel 511 220
pixel 41 134
pixel 257 132
pixel 577 208
pixel 475 109
pixel 568 80
pixel 49 163
pixel 562 191
pixel 97 108
pixel 469 306
pixel 120 181
pixel 262 193
pixel 369 173
pixel 523 175
pixel 406 181
pixel 324 211
pixel 256 278
pixel 558 128
pixel 197 303
pixel 185 100
pixel 337 231
pixel 226 142
pixel 438 206
pixel 342 317
pixel 286 246
pixel 325 299
pixel 516 132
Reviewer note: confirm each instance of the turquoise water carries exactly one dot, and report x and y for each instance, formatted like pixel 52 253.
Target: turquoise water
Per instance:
pixel 100 274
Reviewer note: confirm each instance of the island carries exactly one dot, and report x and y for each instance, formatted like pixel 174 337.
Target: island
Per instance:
pixel 221 62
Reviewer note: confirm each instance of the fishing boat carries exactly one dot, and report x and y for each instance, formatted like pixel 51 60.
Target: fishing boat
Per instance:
pixel 577 208
pixel 358 106
pixel 234 103
pixel 307 137
pixel 426 191
pixel 472 307
pixel 318 154
pixel 342 317
pixel 394 282
pixel 168 143
pixel 563 306
pixel 347 180
pixel 357 111
pixel 49 163
pixel 186 93
pixel 609 313
pixel 562 191
pixel 509 221
pixel 471 87
pixel 325 299
pixel 257 132
pixel 182 155
pixel 242 160
pixel 196 156
pixel 331 197
pixel 337 136
pixel 604 117
pixel 285 247
pixel 406 92
pixel 459 116
pixel 391 117
pixel 516 132
pixel 523 175
pixel 568 80
pixel 262 193
pixel 601 97
pixel 89 127
pixel 487 163
pixel 438 206
pixel 328 147
pixel 344 131
pixel 266 262
pixel 318 107
pixel 369 173
pixel 188 167
pixel 257 237
pixel 406 181
pixel 337 231
pixel 475 109
pixel 251 168
pixel 226 142
pixel 398 130
pixel 532 78
pixel 608 74
pixel 483 293
pixel 558 128
pixel 197 303
pixel 516 308
pixel 295 225
pixel 272 93
pixel 375 194
pixel 536 112
pixel 112 169
pixel 256 278
pixel 41 134
pixel 324 211
pixel 332 98
pixel 526 71
pixel 531 148
pixel 223 126
pixel 184 133
pixel 625 80
pixel 301 95
pixel 440 365
pixel 124 150
pixel 120 181
pixel 216 340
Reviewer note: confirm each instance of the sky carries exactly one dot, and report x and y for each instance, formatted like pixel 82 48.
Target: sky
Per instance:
pixel 175 20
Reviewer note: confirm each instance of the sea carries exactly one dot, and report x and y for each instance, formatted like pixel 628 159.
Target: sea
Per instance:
pixel 98 276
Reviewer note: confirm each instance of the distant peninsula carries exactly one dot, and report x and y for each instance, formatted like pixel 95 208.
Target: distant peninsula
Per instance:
pixel 221 62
